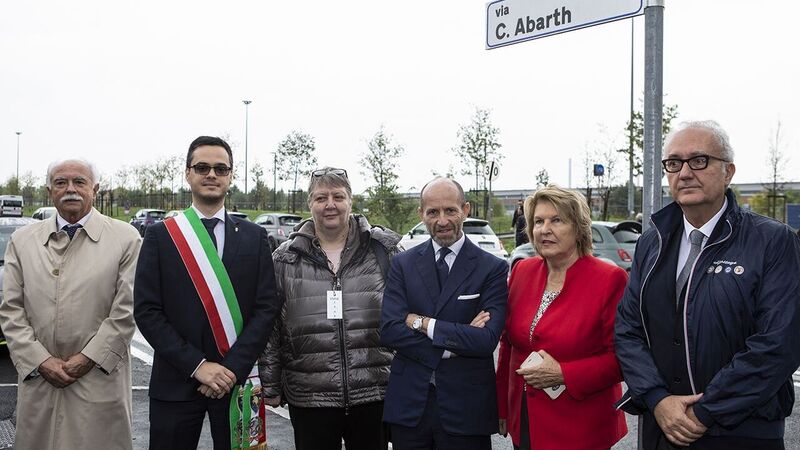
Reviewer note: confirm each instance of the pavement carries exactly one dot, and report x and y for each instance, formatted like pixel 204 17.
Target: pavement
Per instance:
pixel 279 428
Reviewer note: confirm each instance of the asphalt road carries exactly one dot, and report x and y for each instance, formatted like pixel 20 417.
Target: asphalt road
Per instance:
pixel 279 429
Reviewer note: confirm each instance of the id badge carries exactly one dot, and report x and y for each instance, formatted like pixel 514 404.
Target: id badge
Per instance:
pixel 334 304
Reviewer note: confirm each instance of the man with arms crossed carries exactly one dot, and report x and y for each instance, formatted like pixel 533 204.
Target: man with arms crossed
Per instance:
pixel 707 331
pixel 205 300
pixel 443 312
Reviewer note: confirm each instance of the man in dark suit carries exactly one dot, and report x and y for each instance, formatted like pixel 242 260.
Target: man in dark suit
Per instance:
pixel 194 372
pixel 443 312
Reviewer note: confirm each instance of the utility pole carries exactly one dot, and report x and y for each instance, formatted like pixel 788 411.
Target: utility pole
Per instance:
pixel 246 123
pixel 275 181
pixel 653 107
pixel 631 187
pixel 18 184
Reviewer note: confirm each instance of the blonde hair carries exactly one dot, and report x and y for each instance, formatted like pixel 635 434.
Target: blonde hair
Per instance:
pixel 571 207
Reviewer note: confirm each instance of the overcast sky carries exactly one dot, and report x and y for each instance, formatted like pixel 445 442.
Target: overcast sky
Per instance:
pixel 124 82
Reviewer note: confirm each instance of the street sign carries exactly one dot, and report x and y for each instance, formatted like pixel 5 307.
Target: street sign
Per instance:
pixel 492 171
pixel 599 170
pixel 513 21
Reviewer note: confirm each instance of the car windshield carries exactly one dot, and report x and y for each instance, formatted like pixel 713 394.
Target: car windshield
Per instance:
pixel 626 237
pixel 290 220
pixel 477 228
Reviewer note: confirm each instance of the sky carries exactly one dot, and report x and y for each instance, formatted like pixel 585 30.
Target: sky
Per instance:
pixel 124 82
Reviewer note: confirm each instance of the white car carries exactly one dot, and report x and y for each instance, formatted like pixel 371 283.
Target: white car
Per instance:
pixel 477 230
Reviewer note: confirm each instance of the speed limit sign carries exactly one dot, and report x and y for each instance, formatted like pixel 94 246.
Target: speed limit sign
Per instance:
pixel 492 171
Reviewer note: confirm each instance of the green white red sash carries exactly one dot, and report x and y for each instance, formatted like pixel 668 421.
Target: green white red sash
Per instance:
pixel 213 286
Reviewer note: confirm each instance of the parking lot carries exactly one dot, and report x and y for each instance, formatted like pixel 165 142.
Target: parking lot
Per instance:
pixel 279 429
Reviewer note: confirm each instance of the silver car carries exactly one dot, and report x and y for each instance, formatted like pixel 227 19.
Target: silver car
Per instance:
pixel 279 226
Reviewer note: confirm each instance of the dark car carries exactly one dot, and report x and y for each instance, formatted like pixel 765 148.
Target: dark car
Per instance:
pixel 8 225
pixel 146 217
pixel 278 226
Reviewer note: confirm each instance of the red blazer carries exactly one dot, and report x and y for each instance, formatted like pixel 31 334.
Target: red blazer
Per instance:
pixel 578 331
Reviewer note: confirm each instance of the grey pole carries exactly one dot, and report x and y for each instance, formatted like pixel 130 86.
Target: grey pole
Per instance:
pixel 18 133
pixel 653 102
pixel 275 181
pixel 246 121
pixel 631 188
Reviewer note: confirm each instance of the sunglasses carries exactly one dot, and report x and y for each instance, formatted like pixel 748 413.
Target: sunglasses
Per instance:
pixel 203 169
pixel 321 172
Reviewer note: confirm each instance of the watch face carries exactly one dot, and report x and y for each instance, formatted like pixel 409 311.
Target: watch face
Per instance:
pixel 416 323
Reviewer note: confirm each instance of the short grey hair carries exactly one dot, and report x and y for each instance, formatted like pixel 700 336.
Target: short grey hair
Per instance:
pixel 82 161
pixel 330 179
pixel 726 151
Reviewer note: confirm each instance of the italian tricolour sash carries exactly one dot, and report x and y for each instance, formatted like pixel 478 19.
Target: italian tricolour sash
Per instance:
pixel 210 279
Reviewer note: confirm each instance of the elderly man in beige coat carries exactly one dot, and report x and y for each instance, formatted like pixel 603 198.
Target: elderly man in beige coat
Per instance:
pixel 67 313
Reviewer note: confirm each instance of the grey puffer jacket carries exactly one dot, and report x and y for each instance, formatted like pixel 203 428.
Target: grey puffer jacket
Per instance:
pixel 311 361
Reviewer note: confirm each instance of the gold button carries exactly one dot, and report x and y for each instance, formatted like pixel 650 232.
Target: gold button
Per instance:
pixel 55 272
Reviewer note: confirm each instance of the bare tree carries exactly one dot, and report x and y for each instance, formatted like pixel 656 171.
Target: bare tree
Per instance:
pixel 542 178
pixel 478 144
pixel 296 157
pixel 776 161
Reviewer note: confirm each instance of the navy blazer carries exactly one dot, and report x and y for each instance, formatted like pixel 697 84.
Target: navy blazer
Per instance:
pixel 465 383
pixel 171 317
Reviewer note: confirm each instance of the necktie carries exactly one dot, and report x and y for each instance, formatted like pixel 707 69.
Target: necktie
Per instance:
pixel 696 238
pixel 442 269
pixel 210 224
pixel 71 229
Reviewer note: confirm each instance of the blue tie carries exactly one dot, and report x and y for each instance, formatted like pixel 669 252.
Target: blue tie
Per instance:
pixel 71 229
pixel 442 269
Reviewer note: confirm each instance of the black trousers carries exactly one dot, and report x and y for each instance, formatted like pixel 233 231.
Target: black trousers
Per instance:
pixel 362 427
pixel 429 434
pixel 177 425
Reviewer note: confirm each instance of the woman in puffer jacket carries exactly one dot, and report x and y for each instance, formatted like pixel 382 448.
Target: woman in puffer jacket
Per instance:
pixel 323 357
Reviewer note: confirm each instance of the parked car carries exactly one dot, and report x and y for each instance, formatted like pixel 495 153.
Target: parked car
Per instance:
pixel 611 242
pixel 8 225
pixel 278 226
pixel 171 213
pixel 44 212
pixel 477 230
pixel 146 217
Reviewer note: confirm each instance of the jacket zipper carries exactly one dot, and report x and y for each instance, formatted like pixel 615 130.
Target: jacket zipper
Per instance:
pixel 337 286
pixel 686 304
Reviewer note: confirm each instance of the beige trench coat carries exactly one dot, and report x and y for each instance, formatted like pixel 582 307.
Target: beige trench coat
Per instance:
pixel 62 297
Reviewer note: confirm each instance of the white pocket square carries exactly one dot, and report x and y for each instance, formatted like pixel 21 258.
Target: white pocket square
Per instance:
pixel 468 296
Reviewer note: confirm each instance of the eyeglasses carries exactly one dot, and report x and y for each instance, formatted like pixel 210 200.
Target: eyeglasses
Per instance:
pixel 699 162
pixel 321 172
pixel 203 169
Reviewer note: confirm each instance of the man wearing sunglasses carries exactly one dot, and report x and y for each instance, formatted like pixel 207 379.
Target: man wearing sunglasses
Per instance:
pixel 707 331
pixel 205 300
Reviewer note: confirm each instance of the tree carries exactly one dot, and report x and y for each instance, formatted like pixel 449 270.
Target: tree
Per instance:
pixel 296 157
pixel 776 161
pixel 635 131
pixel 380 163
pixel 478 144
pixel 542 178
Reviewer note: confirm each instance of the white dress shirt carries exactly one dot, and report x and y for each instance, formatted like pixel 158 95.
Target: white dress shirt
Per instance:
pixel 686 244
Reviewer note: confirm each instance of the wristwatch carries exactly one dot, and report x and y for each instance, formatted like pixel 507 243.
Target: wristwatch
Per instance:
pixel 416 325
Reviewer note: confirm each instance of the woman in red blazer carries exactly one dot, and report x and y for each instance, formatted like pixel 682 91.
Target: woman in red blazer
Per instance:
pixel 561 304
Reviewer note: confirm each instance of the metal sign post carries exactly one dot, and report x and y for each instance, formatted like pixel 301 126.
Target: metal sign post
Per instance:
pixel 653 103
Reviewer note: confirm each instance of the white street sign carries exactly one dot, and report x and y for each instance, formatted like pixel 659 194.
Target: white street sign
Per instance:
pixel 492 170
pixel 513 21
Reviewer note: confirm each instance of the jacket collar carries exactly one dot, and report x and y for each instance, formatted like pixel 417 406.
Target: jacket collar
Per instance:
pixel 669 219
pixel 93 227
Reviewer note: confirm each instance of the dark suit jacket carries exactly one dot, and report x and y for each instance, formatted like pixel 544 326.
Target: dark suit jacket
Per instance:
pixel 464 383
pixel 171 317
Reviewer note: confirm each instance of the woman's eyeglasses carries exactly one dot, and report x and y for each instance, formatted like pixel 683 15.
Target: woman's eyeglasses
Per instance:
pixel 203 169
pixel 321 172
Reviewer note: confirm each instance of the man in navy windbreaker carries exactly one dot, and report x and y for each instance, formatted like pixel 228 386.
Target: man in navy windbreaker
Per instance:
pixel 708 331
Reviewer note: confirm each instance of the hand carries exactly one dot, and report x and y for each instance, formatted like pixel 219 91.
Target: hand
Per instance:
pixel 273 401
pixel 209 392
pixel 503 428
pixel 52 369
pixel 78 365
pixel 545 375
pixel 215 376
pixel 673 419
pixel 480 320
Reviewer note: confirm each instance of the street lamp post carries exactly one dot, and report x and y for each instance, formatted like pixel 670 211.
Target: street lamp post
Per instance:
pixel 246 120
pixel 18 133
